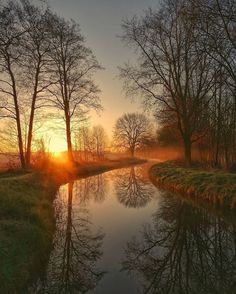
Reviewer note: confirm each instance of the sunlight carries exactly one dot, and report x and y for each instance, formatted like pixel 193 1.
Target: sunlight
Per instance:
pixel 58 155
pixel 57 145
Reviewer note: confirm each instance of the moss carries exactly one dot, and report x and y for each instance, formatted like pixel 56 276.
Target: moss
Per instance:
pixel 216 187
pixel 26 228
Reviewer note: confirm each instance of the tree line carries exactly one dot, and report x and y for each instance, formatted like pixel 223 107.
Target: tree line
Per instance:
pixel 185 72
pixel 44 65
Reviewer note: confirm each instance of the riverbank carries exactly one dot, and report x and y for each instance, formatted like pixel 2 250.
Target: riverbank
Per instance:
pixel 63 173
pixel 214 187
pixel 27 219
pixel 26 228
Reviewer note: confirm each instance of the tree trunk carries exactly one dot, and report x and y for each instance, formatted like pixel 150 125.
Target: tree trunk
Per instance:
pixel 18 122
pixel 218 134
pixel 188 151
pixel 29 139
pixel 20 141
pixel 68 138
pixel 132 150
pixel 31 122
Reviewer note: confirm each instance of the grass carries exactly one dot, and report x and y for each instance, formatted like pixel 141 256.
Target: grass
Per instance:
pixel 26 228
pixel 216 187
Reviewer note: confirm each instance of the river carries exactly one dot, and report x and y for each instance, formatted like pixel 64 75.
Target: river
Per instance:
pixel 116 233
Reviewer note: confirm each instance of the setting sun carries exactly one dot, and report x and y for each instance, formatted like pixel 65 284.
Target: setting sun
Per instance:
pixel 57 145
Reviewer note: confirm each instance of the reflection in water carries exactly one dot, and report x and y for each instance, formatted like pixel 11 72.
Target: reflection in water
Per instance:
pixel 91 189
pixel 72 265
pixel 133 188
pixel 184 250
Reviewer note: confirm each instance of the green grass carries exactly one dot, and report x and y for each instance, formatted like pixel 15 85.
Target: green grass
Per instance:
pixel 26 228
pixel 215 186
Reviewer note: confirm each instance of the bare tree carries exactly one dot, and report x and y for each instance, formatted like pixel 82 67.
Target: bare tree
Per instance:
pixel 24 48
pixel 100 140
pixel 172 74
pixel 218 26
pixel 131 130
pixel 10 58
pixel 74 65
pixel 36 63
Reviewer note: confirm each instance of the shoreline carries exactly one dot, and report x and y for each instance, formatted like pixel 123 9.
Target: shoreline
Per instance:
pixel 215 188
pixel 60 174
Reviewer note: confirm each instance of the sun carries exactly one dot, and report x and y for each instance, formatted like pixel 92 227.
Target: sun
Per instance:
pixel 57 145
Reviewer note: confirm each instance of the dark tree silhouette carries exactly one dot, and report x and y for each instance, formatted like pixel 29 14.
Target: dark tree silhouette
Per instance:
pixel 10 59
pixel 172 74
pixel 74 65
pixel 131 130
pixel 36 46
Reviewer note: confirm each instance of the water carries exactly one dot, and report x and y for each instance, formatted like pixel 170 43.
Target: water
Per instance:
pixel 117 233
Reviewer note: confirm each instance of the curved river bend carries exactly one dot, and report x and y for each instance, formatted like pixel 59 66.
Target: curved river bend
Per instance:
pixel 117 233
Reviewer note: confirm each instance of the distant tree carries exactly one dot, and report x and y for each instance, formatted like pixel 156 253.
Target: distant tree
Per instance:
pixel 75 92
pixel 131 130
pixel 100 140
pixel 84 142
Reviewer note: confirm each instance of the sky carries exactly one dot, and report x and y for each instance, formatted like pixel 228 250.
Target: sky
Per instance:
pixel 100 22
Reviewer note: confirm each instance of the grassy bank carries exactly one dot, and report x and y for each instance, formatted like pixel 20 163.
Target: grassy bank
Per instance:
pixel 26 228
pixel 215 187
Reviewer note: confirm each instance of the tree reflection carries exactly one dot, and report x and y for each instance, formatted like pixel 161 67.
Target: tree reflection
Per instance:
pixel 91 189
pixel 133 188
pixel 72 266
pixel 185 250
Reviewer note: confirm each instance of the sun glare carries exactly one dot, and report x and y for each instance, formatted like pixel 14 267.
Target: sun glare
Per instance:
pixel 57 145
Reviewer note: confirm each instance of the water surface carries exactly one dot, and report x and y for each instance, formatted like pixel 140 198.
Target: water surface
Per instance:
pixel 117 233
